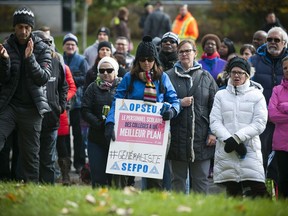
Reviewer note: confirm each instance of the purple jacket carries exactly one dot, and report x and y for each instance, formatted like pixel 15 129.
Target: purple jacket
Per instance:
pixel 213 66
pixel 278 114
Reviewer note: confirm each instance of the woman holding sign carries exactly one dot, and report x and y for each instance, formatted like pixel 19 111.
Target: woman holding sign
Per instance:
pixel 95 107
pixel 146 81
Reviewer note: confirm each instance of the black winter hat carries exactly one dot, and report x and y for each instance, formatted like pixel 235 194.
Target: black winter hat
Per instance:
pixel 25 16
pixel 104 44
pixel 146 48
pixel 238 62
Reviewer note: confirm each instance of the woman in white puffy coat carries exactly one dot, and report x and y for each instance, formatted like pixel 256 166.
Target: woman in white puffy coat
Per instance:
pixel 238 117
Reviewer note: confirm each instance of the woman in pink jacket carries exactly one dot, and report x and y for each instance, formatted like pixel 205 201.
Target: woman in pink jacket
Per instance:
pixel 278 114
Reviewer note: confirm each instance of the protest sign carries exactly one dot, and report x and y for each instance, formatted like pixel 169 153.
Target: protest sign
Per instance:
pixel 141 140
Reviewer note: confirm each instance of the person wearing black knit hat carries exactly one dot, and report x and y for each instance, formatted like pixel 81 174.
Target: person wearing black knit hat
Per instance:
pixel 25 65
pixel 25 16
pixel 104 49
pixel 238 117
pixel 146 81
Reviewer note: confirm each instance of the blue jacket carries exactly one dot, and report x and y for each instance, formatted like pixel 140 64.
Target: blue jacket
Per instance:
pixel 169 96
pixel 79 67
pixel 268 71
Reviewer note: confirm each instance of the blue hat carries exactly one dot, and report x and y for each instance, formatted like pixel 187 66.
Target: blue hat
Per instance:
pixel 70 37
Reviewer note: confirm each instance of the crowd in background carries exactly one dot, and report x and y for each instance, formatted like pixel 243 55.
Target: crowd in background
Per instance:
pixel 228 116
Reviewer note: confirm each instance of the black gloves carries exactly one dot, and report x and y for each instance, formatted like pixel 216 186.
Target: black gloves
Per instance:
pixel 169 114
pixel 109 132
pixel 241 150
pixel 231 145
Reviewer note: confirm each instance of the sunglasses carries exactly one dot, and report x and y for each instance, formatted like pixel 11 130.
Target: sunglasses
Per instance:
pixel 149 59
pixel 171 41
pixel 276 40
pixel 108 70
pixel 47 41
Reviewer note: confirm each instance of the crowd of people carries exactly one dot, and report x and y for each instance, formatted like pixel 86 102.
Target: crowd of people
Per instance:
pixel 228 113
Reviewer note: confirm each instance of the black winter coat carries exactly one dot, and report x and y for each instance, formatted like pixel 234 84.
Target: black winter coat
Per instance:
pixel 93 101
pixel 57 89
pixel 38 71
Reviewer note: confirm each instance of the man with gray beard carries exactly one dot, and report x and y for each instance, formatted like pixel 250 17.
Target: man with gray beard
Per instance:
pixel 269 73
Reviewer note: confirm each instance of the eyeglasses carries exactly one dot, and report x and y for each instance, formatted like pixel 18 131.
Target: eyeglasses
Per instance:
pixel 149 59
pixel 239 73
pixel 182 52
pixel 108 70
pixel 171 41
pixel 275 40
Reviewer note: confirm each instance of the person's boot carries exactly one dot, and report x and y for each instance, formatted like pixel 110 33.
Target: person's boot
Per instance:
pixel 65 164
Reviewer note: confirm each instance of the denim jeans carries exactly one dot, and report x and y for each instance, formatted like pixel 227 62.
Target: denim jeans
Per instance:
pixel 97 156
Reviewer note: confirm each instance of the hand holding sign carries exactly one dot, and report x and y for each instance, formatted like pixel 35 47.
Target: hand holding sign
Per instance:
pixel 109 132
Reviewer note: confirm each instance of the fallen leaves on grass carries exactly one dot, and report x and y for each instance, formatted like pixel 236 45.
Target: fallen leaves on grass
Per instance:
pixel 182 208
pixel 72 204
pixel 90 199
pixel 11 197
pixel 240 208
pixel 130 191
pixel 121 211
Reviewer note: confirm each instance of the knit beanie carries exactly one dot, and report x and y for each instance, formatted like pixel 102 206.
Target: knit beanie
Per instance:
pixel 111 61
pixel 104 44
pixel 105 30
pixel 238 62
pixel 172 36
pixel 146 48
pixel 70 37
pixel 25 16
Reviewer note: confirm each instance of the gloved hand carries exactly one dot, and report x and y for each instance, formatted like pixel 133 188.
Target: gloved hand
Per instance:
pixel 109 132
pixel 230 144
pixel 169 114
pixel 241 150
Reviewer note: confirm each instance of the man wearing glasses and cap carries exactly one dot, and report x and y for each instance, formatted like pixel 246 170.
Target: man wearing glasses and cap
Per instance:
pixel 269 73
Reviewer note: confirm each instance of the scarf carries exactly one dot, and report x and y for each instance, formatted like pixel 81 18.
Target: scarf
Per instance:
pixel 150 93
pixel 104 85
pixel 213 56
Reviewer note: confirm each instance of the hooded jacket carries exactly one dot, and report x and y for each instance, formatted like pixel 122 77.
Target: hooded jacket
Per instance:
pixel 268 71
pixel 278 114
pixel 241 111
pixel 185 137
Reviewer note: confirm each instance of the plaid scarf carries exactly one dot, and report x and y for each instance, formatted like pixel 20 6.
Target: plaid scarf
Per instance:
pixel 150 93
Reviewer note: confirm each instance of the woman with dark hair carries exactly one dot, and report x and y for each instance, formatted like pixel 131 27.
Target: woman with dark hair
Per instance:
pixel 226 48
pixel 146 81
pixel 104 49
pixel 247 50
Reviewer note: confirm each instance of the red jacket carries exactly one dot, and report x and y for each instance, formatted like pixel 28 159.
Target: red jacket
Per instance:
pixel 64 128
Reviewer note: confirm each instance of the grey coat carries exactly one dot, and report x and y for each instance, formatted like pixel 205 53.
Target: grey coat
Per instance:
pixel 190 129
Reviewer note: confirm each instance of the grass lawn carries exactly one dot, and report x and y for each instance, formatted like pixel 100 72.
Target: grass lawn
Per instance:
pixel 29 199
